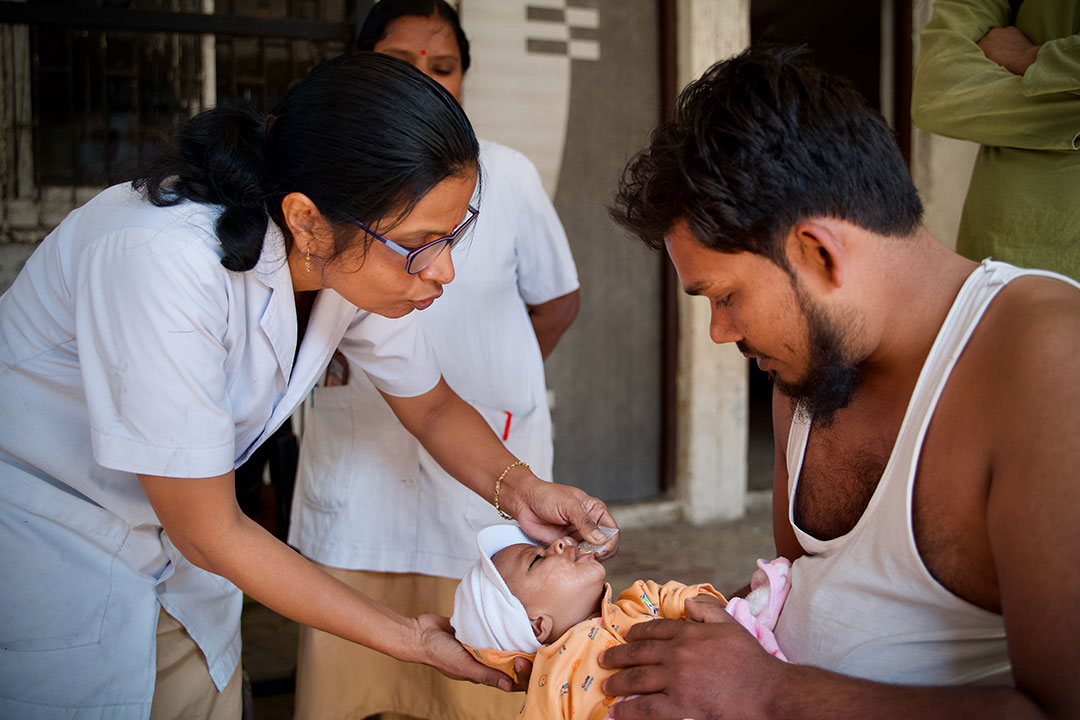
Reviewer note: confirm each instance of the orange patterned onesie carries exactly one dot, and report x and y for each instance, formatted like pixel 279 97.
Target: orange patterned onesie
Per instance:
pixel 566 675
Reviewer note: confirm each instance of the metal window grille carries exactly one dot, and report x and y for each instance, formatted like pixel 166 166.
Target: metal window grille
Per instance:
pixel 89 87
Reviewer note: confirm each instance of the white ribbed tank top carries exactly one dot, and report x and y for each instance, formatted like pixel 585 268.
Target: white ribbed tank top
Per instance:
pixel 863 604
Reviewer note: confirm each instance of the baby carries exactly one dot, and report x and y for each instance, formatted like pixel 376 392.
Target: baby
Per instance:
pixel 551 605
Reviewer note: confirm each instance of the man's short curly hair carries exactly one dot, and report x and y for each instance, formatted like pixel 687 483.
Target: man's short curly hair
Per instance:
pixel 758 143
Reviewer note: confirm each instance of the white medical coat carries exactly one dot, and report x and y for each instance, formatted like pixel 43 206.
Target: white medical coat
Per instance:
pixel 368 497
pixel 125 347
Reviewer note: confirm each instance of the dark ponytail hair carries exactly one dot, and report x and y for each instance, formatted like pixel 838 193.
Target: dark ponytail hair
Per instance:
pixel 364 136
pixel 385 11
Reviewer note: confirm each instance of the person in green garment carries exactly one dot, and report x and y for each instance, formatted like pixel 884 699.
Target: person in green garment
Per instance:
pixel 1007 76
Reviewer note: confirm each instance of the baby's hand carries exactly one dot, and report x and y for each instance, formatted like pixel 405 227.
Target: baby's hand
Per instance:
pixel 705 608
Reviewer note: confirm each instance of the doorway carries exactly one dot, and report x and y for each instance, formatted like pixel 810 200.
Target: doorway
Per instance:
pixel 847 37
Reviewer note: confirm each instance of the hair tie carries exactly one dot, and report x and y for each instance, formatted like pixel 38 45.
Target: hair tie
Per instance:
pixel 268 123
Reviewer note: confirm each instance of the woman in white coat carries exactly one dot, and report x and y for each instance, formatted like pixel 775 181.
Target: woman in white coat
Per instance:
pixel 166 328
pixel 515 293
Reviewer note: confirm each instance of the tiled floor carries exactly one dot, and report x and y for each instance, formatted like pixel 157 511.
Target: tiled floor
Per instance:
pixel 722 554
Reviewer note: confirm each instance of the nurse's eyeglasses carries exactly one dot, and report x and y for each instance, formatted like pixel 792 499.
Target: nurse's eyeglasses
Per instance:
pixel 422 257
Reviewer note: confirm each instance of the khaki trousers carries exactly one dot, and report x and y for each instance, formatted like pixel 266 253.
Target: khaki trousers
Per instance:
pixel 184 689
pixel 340 680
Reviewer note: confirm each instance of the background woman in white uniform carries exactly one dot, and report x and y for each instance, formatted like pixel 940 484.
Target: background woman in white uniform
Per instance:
pixel 164 329
pixel 515 293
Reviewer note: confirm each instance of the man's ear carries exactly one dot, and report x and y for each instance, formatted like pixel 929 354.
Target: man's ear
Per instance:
pixel 817 248
pixel 542 625
pixel 303 219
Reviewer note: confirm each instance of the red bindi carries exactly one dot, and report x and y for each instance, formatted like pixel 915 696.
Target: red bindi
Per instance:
pixel 423 52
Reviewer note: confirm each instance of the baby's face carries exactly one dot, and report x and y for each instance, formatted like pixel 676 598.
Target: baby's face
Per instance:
pixel 558 581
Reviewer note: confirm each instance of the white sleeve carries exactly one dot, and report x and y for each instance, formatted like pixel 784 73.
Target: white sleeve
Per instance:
pixel 150 321
pixel 394 353
pixel 546 267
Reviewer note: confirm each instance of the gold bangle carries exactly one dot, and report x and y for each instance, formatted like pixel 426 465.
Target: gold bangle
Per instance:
pixel 498 485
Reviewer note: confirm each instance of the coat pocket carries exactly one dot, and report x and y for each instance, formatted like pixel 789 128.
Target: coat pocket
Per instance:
pixel 352 442
pixel 59 557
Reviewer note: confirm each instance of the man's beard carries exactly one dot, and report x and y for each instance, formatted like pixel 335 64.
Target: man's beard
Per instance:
pixel 831 378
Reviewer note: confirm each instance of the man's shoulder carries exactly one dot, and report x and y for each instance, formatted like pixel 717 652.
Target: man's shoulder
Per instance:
pixel 1026 347
pixel 1035 317
pixel 1017 372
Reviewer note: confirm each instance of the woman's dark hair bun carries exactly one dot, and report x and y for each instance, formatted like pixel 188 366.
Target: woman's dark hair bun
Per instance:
pixel 221 162
pixel 362 136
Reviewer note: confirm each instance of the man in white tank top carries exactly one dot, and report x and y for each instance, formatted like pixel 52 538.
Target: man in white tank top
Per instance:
pixel 925 412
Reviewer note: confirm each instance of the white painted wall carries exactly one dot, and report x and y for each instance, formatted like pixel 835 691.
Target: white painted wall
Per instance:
pixel 516 98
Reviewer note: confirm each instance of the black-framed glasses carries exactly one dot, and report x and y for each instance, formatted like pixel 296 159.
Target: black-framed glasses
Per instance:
pixel 422 257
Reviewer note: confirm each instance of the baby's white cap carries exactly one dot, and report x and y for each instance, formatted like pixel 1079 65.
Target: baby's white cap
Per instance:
pixel 486 613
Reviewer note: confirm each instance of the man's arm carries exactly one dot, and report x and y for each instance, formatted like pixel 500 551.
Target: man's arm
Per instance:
pixel 716 669
pixel 1034 497
pixel 960 92
pixel 1009 48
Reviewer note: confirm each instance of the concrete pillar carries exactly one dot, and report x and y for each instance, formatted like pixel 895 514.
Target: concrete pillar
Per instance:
pixel 711 423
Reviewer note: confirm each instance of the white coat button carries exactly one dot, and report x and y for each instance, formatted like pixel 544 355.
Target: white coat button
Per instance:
pixel 410 482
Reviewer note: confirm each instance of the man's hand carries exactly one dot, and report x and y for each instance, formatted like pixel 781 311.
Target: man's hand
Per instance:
pixel 442 651
pixel 706 608
pixel 684 669
pixel 523 668
pixel 1009 48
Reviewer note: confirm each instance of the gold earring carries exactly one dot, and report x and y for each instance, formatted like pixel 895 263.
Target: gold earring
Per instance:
pixel 307 261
